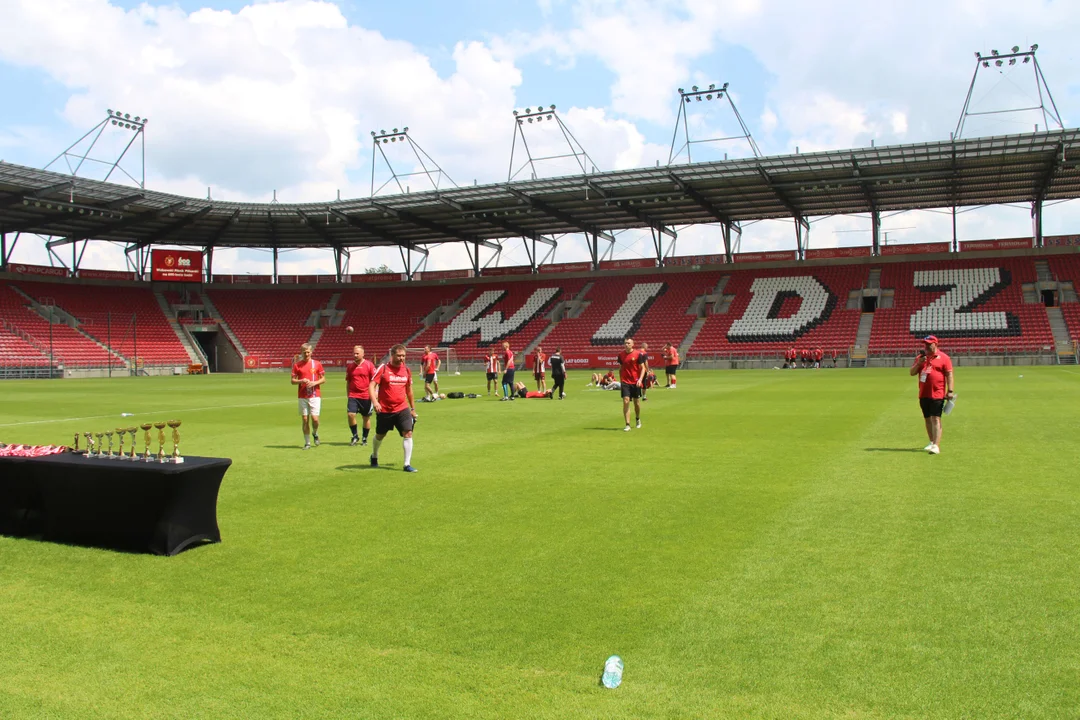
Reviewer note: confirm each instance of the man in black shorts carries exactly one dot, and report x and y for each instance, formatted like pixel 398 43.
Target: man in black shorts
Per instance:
pixel 392 398
pixel 631 363
pixel 558 374
pixel 491 363
pixel 358 374
pixel 508 371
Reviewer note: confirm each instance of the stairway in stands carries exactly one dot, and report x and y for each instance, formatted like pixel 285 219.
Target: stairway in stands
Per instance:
pixel 212 311
pixel 194 352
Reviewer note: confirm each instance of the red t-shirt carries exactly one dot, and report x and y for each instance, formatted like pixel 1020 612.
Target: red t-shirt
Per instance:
pixel 932 376
pixel 358 378
pixel 392 382
pixel 818 354
pixel 493 363
pixel 310 370
pixel 508 359
pixel 674 356
pixel 538 363
pixel 630 366
pixel 429 361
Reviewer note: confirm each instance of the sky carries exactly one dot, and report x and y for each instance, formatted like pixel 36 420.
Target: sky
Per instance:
pixel 257 99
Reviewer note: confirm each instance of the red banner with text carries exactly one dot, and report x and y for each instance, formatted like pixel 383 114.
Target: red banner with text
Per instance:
pixel 683 260
pixel 915 248
pixel 566 267
pixel 176 266
pixel 603 359
pixel 378 277
pixel 774 256
pixel 844 252
pixel 629 263
pixel 1003 244
pixel 38 270
pixel 509 270
pixel 91 274
pixel 444 275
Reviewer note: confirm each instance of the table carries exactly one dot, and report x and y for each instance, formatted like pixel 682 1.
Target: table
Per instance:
pixel 157 507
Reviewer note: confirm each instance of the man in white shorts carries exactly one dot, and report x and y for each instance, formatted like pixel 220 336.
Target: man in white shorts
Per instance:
pixel 308 374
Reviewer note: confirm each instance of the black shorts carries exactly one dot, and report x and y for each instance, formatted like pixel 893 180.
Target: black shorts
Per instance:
pixel 931 407
pixel 430 378
pixel 360 405
pixel 630 391
pixel 508 377
pixel 492 376
pixel 670 369
pixel 385 422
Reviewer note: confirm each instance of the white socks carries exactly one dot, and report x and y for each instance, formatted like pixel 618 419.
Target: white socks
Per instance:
pixel 375 446
pixel 407 444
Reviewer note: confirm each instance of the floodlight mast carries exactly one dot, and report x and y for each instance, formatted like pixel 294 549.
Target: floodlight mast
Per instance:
pixel 428 167
pixel 1046 106
pixel 539 115
pixel 122 121
pixel 695 94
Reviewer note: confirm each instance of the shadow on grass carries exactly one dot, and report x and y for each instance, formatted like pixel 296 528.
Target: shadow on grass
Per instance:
pixel 906 450
pixel 609 429
pixel 366 466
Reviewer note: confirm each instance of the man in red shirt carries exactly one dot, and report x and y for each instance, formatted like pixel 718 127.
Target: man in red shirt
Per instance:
pixel 358 373
pixel 508 371
pixel 308 374
pixel 429 368
pixel 392 397
pixel 491 361
pixel 539 358
pixel 671 364
pixel 631 362
pixel 936 385
pixel 818 355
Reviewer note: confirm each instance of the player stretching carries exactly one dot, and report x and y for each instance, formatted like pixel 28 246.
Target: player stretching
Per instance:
pixel 538 370
pixel 491 362
pixel 308 374
pixel 630 376
pixel 429 366
pixel 508 371
pixel 671 364
pixel 358 373
pixel 392 397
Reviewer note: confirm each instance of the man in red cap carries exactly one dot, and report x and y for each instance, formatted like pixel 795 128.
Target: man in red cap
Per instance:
pixel 936 385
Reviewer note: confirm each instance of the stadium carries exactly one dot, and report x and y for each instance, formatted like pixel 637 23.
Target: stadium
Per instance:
pixel 771 540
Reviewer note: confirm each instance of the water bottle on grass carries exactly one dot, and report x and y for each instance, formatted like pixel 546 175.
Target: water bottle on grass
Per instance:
pixel 612 672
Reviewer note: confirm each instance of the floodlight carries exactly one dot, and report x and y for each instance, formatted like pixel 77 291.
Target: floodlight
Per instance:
pixel 1016 48
pixel 395 129
pixel 709 96
pixel 393 139
pixel 699 98
pixel 126 116
pixel 993 52
pixel 406 129
pixel 998 63
pixel 372 133
pixel 549 117
pixel 694 88
pixel 986 63
pixel 1012 61
pixel 1034 47
pixel 384 141
pixel 681 91
pixel 712 86
pixel 688 101
pixel 113 122
pixel 136 118
pixel 515 112
pixel 978 55
pixel 552 107
pixel 1027 59
pixel 382 132
pixel 110 112
pixel 530 119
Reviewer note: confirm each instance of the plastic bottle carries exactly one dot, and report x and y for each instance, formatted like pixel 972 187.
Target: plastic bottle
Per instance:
pixel 612 672
pixel 949 405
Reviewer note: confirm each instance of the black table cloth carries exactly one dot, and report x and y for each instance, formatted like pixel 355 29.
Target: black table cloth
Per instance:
pixel 157 507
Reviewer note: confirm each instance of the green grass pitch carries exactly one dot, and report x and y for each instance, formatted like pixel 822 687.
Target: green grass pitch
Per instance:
pixel 771 544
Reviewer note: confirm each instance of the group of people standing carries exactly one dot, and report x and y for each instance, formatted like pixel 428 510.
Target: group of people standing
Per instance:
pixel 809 358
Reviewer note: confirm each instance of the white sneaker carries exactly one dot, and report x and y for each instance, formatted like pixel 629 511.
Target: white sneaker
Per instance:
pixel 626 429
pixel 638 424
pixel 929 447
pixel 934 450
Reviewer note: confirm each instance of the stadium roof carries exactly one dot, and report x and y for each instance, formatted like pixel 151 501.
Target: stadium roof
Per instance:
pixel 971 172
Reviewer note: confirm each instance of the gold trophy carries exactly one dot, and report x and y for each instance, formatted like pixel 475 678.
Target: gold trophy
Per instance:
pixel 160 441
pixel 176 457
pixel 120 432
pixel 133 456
pixel 89 444
pixel 108 434
pixel 146 438
pixel 98 445
pixel 75 447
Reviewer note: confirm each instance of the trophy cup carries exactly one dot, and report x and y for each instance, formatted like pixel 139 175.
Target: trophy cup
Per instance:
pixel 89 444
pixel 160 441
pixel 176 457
pixel 109 434
pixel 75 447
pixel 133 456
pixel 98 446
pixel 120 432
pixel 146 438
